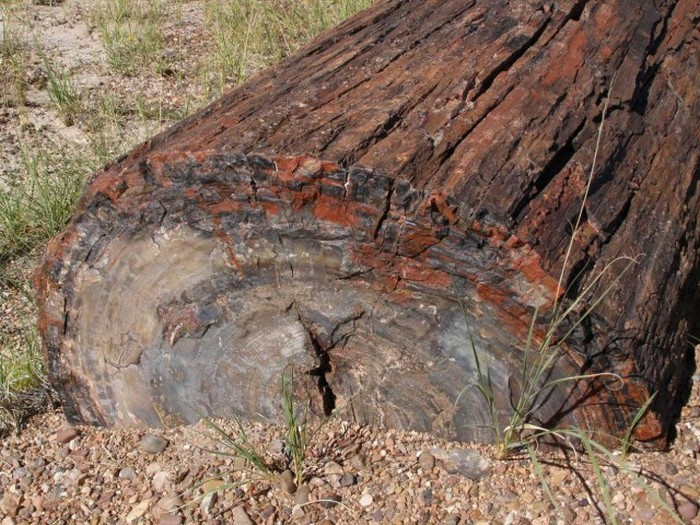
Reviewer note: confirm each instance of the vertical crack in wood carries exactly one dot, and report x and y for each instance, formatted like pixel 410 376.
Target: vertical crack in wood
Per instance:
pixel 324 367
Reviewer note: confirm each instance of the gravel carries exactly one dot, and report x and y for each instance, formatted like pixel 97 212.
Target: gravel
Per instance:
pixel 54 473
pixel 106 476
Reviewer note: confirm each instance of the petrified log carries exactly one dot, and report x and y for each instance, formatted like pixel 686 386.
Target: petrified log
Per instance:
pixel 456 139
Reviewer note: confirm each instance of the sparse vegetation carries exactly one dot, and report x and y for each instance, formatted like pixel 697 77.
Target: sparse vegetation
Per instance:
pixel 62 90
pixel 132 34
pixel 40 199
pixel 295 436
pixel 13 57
pixel 250 34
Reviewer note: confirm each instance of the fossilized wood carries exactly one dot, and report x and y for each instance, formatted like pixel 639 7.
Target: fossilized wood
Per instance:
pixel 221 251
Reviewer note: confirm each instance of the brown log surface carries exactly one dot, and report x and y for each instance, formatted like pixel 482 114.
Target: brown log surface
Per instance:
pixel 456 140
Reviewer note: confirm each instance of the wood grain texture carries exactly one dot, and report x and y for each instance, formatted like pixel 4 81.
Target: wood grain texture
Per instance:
pixel 456 140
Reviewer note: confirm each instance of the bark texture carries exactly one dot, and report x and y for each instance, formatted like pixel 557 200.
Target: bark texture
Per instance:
pixel 456 139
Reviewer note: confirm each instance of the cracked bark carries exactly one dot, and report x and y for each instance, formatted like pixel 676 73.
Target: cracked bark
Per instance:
pixel 472 127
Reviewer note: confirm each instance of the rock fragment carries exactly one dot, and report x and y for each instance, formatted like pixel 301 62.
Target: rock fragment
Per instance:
pixel 153 444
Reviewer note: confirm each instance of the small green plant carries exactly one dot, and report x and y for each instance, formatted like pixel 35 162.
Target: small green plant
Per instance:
pixel 14 56
pixel 249 34
pixel 296 436
pixel 239 445
pixel 297 431
pixel 22 379
pixel 62 90
pixel 41 198
pixel 131 32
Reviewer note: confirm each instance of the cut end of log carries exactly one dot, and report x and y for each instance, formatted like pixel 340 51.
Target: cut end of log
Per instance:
pixel 203 277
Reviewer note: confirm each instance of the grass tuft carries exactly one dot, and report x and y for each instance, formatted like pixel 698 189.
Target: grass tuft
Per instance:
pixel 14 57
pixel 250 34
pixel 41 198
pixel 297 430
pixel 62 91
pixel 131 32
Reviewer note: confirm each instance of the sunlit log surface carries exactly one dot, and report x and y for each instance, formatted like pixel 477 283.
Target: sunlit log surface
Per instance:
pixel 456 140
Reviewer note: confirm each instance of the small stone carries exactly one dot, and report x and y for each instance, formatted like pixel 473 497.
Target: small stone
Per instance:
pixel 558 476
pixel 171 502
pixel 153 468
pixel 67 434
pixel 161 481
pixel 691 492
pixel 389 443
pixel 366 500
pixel 688 510
pixel 39 463
pixel 10 504
pixel 470 463
pixel 127 473
pixel 347 480
pixel 153 444
pixel 301 496
pixel 287 480
pixel 528 497
pixel 671 469
pixel 332 469
pixel 138 512
pixel 297 514
pixel 240 517
pixel 359 462
pixel 208 502
pixel 426 461
pixel 20 472
pixel 212 485
pixel 269 511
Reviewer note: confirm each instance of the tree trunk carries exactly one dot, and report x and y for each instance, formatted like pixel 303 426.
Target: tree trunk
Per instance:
pixel 456 138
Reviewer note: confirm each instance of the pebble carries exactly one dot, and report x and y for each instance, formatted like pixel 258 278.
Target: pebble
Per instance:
pixel 153 468
pixel 240 516
pixel 558 476
pixel 153 444
pixel 470 463
pixel 426 461
pixel 161 481
pixel 287 480
pixel 67 434
pixel 366 500
pixel 212 485
pixel 688 510
pixel 359 462
pixel 138 512
pixel 451 519
pixel 127 473
pixel 301 496
pixel 19 472
pixel 208 502
pixel 330 500
pixel 171 502
pixel 347 480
